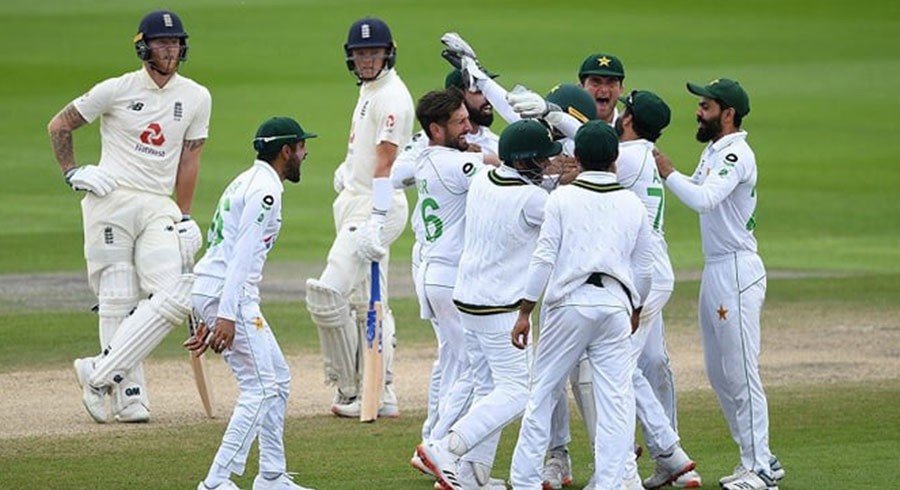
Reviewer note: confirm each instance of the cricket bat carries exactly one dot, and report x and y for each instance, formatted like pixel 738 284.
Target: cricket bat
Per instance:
pixel 373 360
pixel 201 377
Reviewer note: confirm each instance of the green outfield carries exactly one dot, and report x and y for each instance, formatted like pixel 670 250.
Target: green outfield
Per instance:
pixel 823 81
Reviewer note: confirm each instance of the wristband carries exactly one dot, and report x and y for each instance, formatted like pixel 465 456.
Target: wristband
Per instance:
pixel 382 192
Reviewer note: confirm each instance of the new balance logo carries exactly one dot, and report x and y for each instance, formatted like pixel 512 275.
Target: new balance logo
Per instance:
pixel 136 106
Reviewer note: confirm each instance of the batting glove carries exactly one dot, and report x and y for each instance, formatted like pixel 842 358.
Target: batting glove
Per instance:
pixel 368 237
pixel 190 240
pixel 90 178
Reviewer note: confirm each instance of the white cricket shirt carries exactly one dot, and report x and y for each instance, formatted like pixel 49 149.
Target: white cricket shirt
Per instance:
pixel 142 126
pixel 243 230
pixel 383 113
pixel 503 217
pixel 443 177
pixel 591 225
pixel 723 191
pixel 636 171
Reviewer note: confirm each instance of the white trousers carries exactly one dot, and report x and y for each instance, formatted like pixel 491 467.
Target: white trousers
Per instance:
pixel 732 293
pixel 133 228
pixel 599 326
pixel 454 384
pixel 500 377
pixel 264 380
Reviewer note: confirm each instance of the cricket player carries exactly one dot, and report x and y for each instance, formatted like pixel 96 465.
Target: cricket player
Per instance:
pixel 504 210
pixel 139 242
pixel 369 215
pixel 654 393
pixel 593 259
pixel 443 174
pixel 603 76
pixel 722 190
pixel 639 127
pixel 226 295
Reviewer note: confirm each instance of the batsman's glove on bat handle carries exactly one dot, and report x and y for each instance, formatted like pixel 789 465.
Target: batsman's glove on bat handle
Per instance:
pixel 190 240
pixel 90 178
pixel 368 238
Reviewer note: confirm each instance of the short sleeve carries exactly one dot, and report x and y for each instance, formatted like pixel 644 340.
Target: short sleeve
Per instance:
pixel 199 128
pixel 97 100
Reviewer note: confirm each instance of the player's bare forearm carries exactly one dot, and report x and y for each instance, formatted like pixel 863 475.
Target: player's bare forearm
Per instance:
pixel 385 154
pixel 188 170
pixel 60 129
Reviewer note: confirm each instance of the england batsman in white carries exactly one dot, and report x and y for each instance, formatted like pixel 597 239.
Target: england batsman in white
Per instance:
pixel 138 241
pixel 368 214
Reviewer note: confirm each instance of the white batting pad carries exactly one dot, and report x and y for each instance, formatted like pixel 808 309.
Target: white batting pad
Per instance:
pixel 583 389
pixel 141 332
pixel 338 335
pixel 119 294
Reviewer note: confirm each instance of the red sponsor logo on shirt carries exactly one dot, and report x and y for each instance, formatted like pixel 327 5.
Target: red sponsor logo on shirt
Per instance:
pixel 153 135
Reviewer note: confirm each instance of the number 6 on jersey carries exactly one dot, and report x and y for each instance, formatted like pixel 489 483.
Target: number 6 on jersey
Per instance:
pixel 373 360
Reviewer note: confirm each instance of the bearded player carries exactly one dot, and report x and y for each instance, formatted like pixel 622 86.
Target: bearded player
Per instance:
pixel 138 241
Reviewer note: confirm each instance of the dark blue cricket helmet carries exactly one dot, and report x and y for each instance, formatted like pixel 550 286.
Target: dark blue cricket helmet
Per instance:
pixel 370 32
pixel 157 24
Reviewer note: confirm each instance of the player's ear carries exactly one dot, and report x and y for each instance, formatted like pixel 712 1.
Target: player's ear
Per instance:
pixel 435 129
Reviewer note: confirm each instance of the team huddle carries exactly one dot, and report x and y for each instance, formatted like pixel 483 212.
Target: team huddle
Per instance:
pixel 564 209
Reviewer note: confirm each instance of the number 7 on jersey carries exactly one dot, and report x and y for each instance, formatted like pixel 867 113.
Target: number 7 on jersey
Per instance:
pixel 373 360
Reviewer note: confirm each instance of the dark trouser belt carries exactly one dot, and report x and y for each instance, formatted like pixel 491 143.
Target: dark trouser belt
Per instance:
pixel 595 279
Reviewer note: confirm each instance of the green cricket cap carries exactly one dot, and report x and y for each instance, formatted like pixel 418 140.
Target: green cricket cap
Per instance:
pixel 524 139
pixel 455 79
pixel 648 110
pixel 596 141
pixel 279 131
pixel 724 91
pixel 602 64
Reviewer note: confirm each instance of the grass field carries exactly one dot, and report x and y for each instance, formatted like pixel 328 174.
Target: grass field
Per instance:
pixel 822 79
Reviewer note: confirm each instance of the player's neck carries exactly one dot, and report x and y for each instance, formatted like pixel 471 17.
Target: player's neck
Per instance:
pixel 159 78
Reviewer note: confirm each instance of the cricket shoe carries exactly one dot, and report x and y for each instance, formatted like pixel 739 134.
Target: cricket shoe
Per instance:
pixel 226 485
pixel 283 482
pixel 94 399
pixel 443 464
pixel 740 471
pixel 691 479
pixel 417 463
pixel 135 413
pixel 557 471
pixel 777 469
pixel 750 480
pixel 668 468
